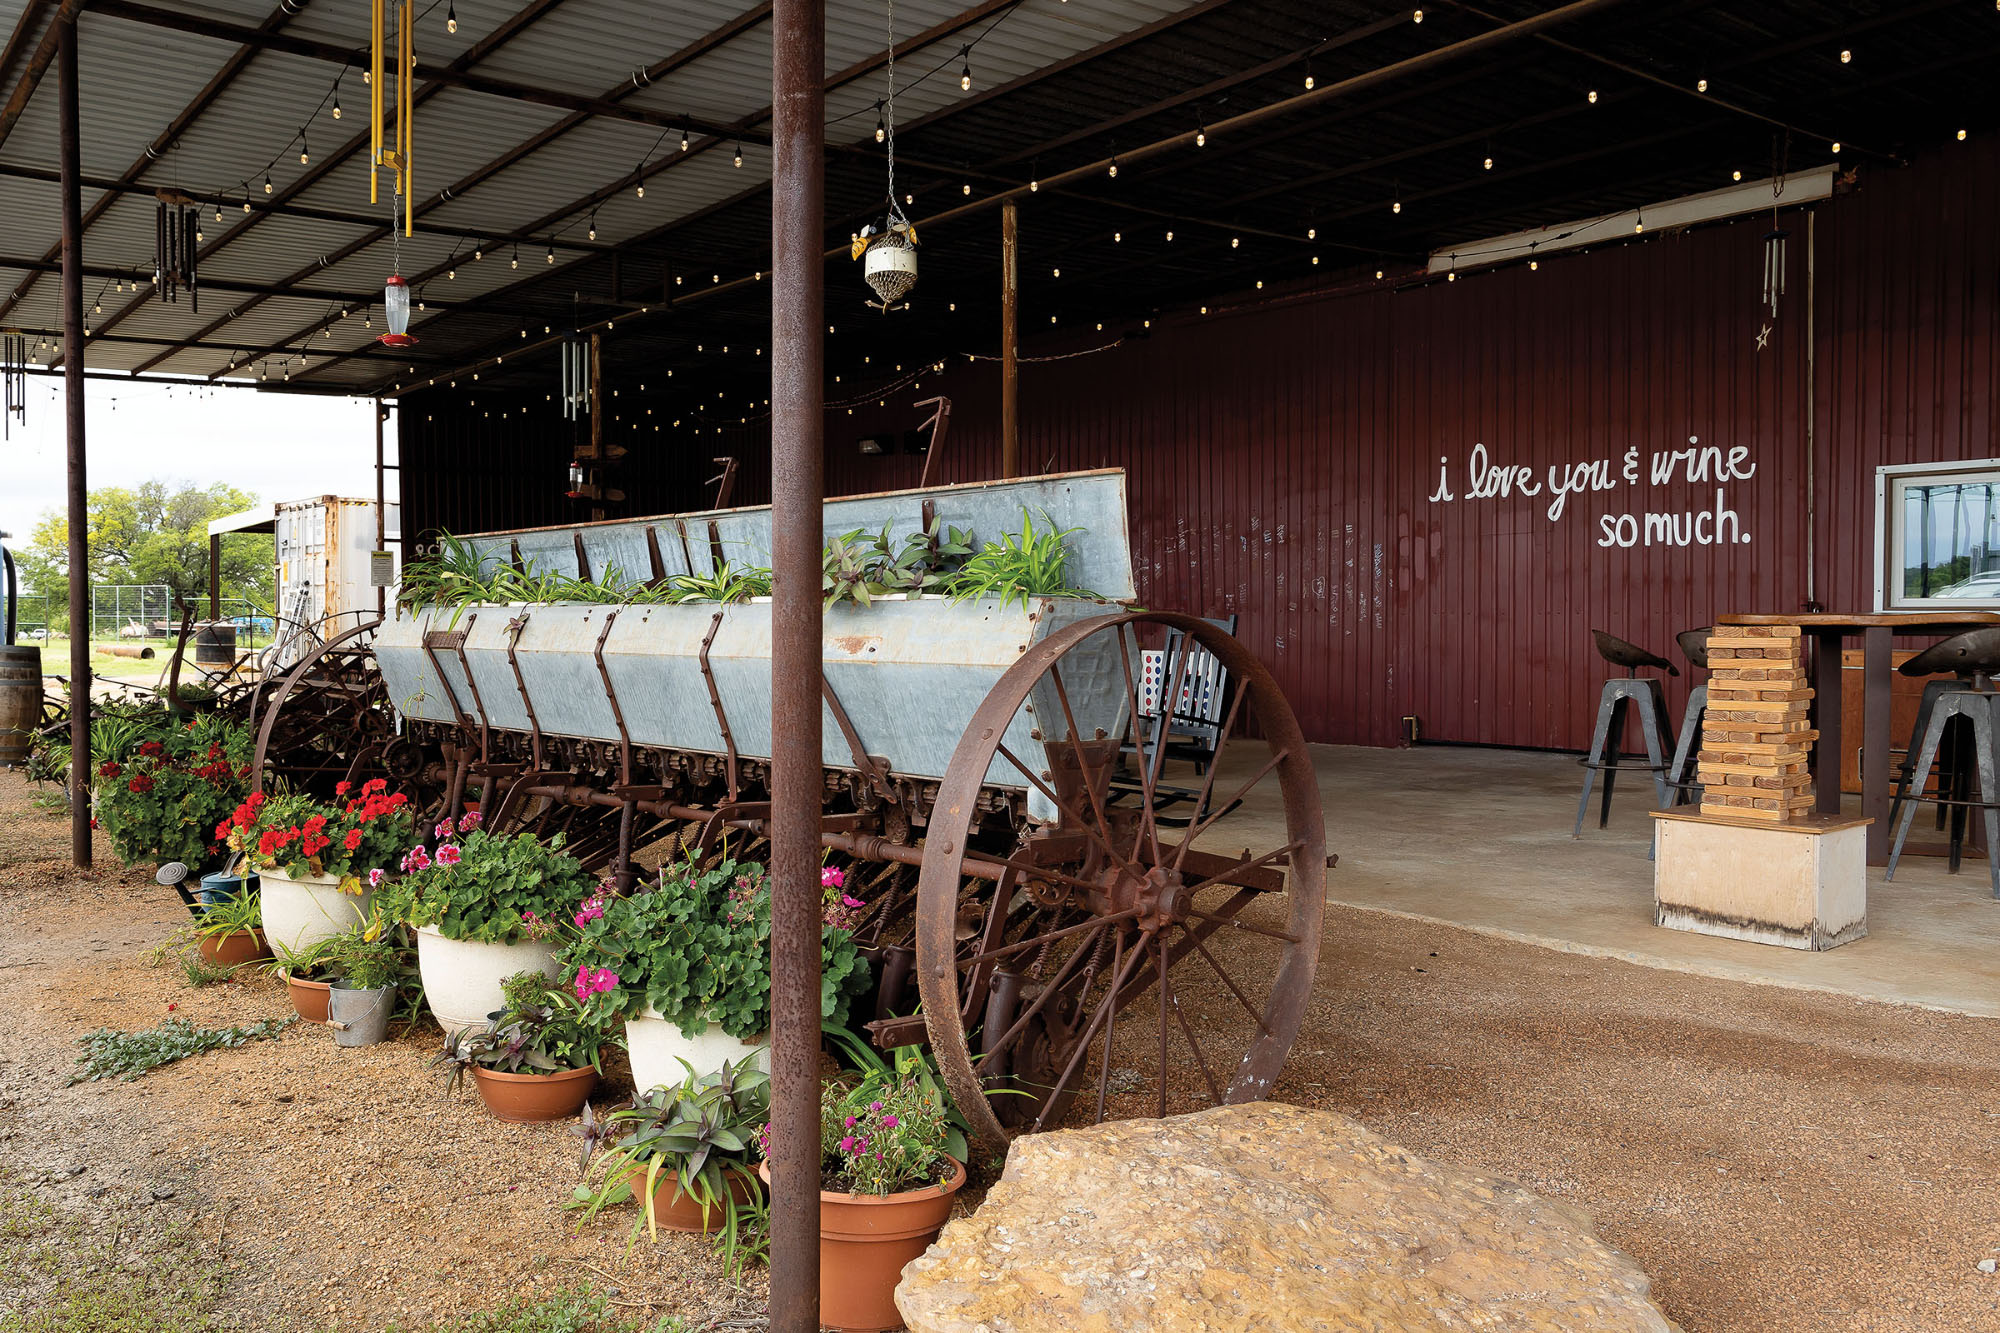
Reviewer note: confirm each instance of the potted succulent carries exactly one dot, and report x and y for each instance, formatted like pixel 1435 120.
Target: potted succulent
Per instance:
pixel 228 932
pixel 308 974
pixel 319 863
pixel 484 908
pixel 684 1151
pixel 887 1189
pixel 362 999
pixel 535 1058
pixel 686 964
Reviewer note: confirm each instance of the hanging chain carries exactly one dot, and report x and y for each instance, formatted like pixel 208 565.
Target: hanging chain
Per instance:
pixel 895 209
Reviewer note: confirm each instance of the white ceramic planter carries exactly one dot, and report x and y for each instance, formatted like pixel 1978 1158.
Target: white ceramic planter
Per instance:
pixel 302 912
pixel 462 977
pixel 657 1048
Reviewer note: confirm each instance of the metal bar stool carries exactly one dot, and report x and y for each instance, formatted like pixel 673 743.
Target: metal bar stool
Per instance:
pixel 1975 709
pixel 1607 739
pixel 1687 749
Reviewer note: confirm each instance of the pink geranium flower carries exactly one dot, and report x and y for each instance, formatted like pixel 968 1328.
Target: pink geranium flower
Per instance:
pixel 832 877
pixel 375 877
pixel 443 829
pixel 468 821
pixel 448 855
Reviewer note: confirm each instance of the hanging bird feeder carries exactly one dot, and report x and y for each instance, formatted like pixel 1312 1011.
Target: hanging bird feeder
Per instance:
pixel 888 261
pixel 396 308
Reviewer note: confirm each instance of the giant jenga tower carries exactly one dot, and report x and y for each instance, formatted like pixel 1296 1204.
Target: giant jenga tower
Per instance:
pixel 1755 737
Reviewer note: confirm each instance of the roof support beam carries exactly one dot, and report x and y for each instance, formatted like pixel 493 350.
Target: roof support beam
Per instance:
pixel 38 65
pixel 231 67
pixel 24 28
pixel 508 30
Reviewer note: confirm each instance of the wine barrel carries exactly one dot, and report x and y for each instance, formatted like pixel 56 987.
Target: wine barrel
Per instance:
pixel 20 699
pixel 215 642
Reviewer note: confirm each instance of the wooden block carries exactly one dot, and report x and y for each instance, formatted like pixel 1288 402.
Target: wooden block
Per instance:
pixel 1750 769
pixel 1758 710
pixel 1775 676
pixel 1766 631
pixel 1754 691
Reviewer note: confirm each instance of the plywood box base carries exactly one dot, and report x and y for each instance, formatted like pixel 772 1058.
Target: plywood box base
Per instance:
pixel 1803 885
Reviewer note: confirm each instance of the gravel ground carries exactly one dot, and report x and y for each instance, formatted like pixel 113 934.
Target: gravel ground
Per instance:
pixel 1777 1160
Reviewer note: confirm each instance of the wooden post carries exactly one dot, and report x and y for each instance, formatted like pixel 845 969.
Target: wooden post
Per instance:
pixel 79 496
pixel 1010 368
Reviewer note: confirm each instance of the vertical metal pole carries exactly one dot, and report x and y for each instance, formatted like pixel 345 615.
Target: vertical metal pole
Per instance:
pixel 597 509
pixel 79 503
pixel 215 576
pixel 1010 366
pixel 381 505
pixel 798 318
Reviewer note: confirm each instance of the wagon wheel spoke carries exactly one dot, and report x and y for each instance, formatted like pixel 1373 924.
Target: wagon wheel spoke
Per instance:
pixel 1096 831
pixel 1169 998
pixel 1105 1008
pixel 1082 763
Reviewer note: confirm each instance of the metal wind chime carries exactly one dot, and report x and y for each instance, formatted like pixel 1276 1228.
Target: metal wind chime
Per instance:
pixel 176 241
pixel 575 377
pixel 1774 247
pixel 14 377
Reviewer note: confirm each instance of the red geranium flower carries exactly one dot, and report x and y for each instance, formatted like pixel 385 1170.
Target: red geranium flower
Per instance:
pixel 109 769
pixel 140 785
pixel 151 748
pixel 352 840
pixel 342 788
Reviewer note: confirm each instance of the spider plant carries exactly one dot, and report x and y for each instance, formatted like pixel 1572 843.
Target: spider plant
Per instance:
pixel 727 583
pixel 1020 565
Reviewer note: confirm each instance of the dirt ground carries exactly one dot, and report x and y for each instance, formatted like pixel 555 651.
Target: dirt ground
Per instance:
pixel 1778 1160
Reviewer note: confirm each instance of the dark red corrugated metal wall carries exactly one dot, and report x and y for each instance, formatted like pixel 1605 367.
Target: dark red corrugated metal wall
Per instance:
pixel 1281 458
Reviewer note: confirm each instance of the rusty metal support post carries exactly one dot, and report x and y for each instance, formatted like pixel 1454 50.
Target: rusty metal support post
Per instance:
pixel 1010 324
pixel 798 317
pixel 79 500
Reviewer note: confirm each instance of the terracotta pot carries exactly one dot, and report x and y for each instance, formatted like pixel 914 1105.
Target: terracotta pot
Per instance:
pixel 864 1242
pixel 675 1211
pixel 308 997
pixel 234 949
pixel 526 1098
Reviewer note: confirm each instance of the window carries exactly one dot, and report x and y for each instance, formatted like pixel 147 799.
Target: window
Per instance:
pixel 1937 530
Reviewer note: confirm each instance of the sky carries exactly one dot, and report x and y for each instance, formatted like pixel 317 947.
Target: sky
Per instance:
pixel 276 446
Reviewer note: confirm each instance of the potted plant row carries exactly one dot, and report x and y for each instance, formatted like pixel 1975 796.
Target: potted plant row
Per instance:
pixel 535 1058
pixel 684 964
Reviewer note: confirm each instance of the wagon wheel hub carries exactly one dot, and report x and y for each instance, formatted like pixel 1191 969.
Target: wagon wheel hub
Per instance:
pixel 1159 896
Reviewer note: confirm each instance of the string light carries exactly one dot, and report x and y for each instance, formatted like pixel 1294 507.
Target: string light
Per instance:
pixel 305 151
pixel 1961 133
pixel 218 210
pixel 639 187
pixel 1201 137
pixel 1309 76
pixel 1489 161
pixel 965 188
pixel 267 189
pixel 684 140
pixel 1639 223
pixel 551 256
pixel 451 16
pixel 1846 57
pixel 965 74
pixel 514 260
pixel 739 155
pixel 1114 168
pixel 1417 17
pixel 1592 97
pixel 1034 186
pixel 1312 233
pixel 1118 238
pixel 593 225
pixel 1737 174
pixel 1836 148
pixel 1378 274
pixel 336 101
pixel 246 203
pixel 1701 85
pixel 1170 236
pixel 1235 241
pixel 881 125
pixel 477 254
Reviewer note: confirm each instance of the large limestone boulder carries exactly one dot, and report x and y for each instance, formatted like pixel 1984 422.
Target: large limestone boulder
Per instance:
pixel 1264 1217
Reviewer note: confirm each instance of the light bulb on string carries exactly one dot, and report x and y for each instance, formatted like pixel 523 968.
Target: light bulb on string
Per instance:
pixel 514 259
pixel 1417 17
pixel 218 211
pixel 1235 242
pixel 738 159
pixel 305 151
pixel 1836 148
pixel 1639 223
pixel 881 126
pixel 1117 238
pixel 1114 168
pixel 1701 85
pixel 451 16
pixel 336 102
pixel 1312 233
pixel 1034 187
pixel 1961 134
pixel 965 72
pixel 1591 97
pixel 1201 137
pixel 478 254
pixel 965 188
pixel 1489 162
pixel 267 182
pixel 550 258
pixel 1737 174
pixel 1846 57
pixel 246 203
pixel 593 226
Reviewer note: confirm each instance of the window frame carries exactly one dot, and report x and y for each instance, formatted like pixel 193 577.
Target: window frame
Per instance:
pixel 1890 481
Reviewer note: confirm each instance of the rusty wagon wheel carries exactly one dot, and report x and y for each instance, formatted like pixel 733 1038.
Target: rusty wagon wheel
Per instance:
pixel 1092 960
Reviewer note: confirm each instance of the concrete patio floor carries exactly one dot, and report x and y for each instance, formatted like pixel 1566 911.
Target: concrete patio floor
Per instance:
pixel 1482 839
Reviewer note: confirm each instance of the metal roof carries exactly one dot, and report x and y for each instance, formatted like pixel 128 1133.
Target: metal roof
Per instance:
pixel 538 120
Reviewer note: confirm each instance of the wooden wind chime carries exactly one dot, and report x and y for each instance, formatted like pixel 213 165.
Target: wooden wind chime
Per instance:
pixel 14 376
pixel 176 241
pixel 397 159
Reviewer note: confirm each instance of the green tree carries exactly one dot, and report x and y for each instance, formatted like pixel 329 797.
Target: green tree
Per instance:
pixel 152 533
